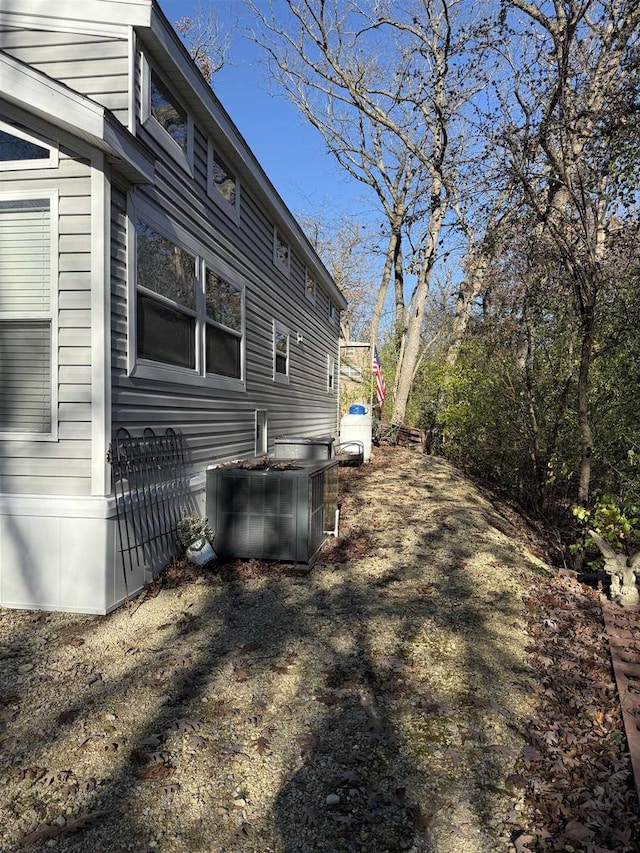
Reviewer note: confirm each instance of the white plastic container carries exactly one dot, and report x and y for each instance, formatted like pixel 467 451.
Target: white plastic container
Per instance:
pixel 355 430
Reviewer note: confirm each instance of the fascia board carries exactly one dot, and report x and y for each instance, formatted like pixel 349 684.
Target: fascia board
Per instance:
pixel 127 148
pixel 66 109
pixel 96 17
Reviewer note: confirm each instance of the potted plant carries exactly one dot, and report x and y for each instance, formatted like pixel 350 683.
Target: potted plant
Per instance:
pixel 195 536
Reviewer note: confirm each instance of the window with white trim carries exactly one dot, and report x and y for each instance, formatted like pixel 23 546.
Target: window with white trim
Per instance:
pixel 281 252
pixel 310 286
pixel 223 333
pixel 20 150
pixel 281 337
pixel 166 299
pixel 189 315
pixel 224 186
pixel 165 117
pixel 28 303
pixel 331 373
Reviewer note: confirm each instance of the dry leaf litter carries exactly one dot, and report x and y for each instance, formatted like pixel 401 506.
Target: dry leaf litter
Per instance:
pixel 429 686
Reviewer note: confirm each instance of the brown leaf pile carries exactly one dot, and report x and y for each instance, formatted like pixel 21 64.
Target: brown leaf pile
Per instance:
pixel 579 790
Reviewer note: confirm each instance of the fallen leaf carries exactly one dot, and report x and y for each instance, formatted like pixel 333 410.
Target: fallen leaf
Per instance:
pixel 262 745
pixel 521 842
pixel 155 771
pixel 328 699
pixel 167 790
pixel 279 670
pixel 187 724
pixel 72 826
pixel 250 647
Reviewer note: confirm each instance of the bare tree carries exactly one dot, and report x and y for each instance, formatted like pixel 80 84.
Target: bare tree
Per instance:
pixel 345 247
pixel 384 83
pixel 205 39
pixel 563 112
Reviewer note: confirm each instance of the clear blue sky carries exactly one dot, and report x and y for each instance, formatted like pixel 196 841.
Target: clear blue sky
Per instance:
pixel 290 151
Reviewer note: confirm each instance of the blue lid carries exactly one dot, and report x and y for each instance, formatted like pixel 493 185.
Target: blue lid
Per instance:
pixel 357 410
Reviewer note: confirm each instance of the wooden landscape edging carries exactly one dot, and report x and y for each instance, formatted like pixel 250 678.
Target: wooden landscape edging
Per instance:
pixel 622 625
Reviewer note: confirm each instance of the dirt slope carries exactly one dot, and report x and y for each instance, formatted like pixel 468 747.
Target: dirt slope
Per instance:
pixel 382 703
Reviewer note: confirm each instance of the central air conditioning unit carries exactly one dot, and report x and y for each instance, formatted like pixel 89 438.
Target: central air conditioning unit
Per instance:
pixel 316 447
pixel 272 510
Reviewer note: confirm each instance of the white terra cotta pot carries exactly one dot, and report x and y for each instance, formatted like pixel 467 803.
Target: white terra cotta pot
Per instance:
pixel 201 552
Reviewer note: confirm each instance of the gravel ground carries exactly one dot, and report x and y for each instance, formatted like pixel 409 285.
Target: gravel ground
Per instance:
pixel 380 703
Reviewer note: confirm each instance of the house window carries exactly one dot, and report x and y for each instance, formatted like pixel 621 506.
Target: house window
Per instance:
pixel 223 332
pixel 18 150
pixel 310 286
pixel 28 258
pixel 166 110
pixel 223 183
pixel 166 300
pixel 281 252
pixel 280 353
pixel 331 373
pixel 166 119
pixel 333 311
pixel 189 323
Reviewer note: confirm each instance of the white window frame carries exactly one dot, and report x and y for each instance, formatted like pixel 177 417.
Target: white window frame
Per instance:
pixel 219 267
pixel 139 368
pixel 150 123
pixel 51 315
pixel 279 328
pixel 310 292
pixel 283 266
pixel 232 210
pixel 50 162
pixel 331 374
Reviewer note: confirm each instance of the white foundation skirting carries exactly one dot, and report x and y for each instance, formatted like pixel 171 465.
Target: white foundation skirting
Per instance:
pixel 63 553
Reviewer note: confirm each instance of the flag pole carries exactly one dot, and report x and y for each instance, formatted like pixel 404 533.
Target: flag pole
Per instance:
pixel 371 381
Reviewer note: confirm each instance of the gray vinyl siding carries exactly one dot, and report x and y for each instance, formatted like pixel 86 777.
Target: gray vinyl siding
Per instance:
pixel 72 58
pixel 219 424
pixel 62 466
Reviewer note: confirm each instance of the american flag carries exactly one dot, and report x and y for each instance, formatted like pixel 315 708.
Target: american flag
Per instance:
pixel 376 370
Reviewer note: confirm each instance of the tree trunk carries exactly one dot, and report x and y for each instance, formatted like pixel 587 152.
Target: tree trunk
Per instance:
pixel 398 281
pixel 470 288
pixel 393 248
pixel 586 433
pixel 411 352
